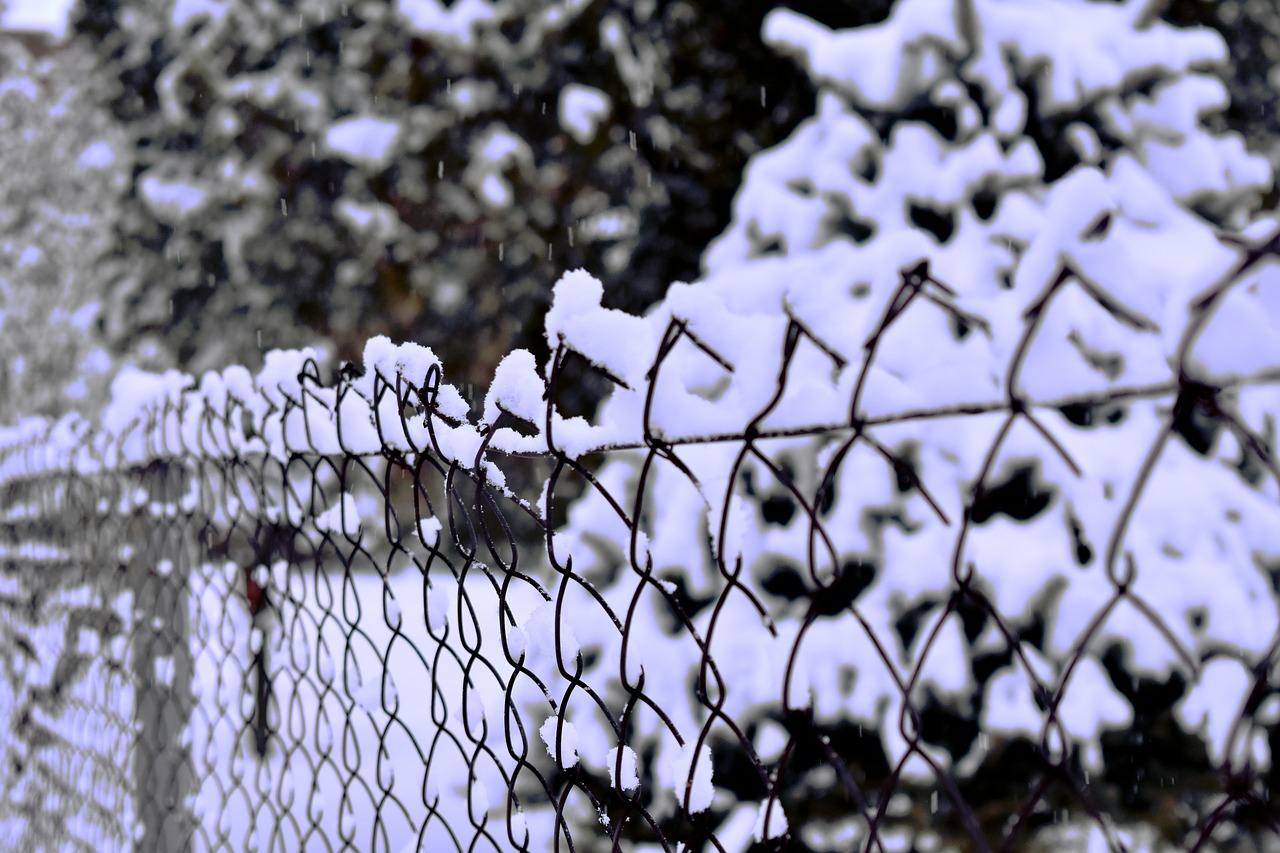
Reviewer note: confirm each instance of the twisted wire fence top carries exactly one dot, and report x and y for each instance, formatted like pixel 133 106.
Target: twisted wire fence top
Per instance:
pixel 814 578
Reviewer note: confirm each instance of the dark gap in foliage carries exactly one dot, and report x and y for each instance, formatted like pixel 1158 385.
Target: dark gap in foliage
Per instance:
pixel 1083 552
pixel 835 598
pixel 1048 132
pixel 973 616
pixel 858 747
pixel 767 245
pixel 943 726
pixel 856 229
pixel 986 664
pixel 978 96
pixel 908 624
pixel 922 109
pixel 681 600
pixel 802 187
pixel 590 655
pixel 985 201
pixel 826 497
pixel 940 223
pixel 778 509
pixel 879 518
pixel 940 117
pixel 1098 229
pixel 785 581
pixel 1094 414
pixel 587 383
pixel 869 168
pixel 1018 496
pixel 1154 747
pixel 1195 418
pixel 1033 633
pixel 906 467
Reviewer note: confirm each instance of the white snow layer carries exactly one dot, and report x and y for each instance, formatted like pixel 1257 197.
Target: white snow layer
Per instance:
pixel 363 140
pixel 190 10
pixel 455 22
pixel 171 201
pixel 581 110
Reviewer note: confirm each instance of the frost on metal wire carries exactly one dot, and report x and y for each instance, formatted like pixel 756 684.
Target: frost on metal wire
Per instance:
pixel 889 530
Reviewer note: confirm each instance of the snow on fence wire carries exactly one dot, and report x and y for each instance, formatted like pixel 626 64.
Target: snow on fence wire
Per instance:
pixel 777 593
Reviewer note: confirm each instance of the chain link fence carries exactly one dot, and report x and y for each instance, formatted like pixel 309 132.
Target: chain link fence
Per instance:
pixel 308 613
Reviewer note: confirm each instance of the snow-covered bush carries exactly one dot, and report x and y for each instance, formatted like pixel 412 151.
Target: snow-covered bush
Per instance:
pixel 964 438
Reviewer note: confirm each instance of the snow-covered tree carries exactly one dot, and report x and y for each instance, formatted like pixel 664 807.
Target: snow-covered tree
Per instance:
pixel 960 472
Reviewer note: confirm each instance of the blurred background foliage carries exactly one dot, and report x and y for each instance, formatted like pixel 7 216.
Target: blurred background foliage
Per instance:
pixel 58 174
pixel 270 254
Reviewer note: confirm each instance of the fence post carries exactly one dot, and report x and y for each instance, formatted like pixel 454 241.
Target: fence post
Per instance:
pixel 162 670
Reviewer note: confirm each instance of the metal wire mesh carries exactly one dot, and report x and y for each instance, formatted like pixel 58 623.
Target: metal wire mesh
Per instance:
pixel 237 628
